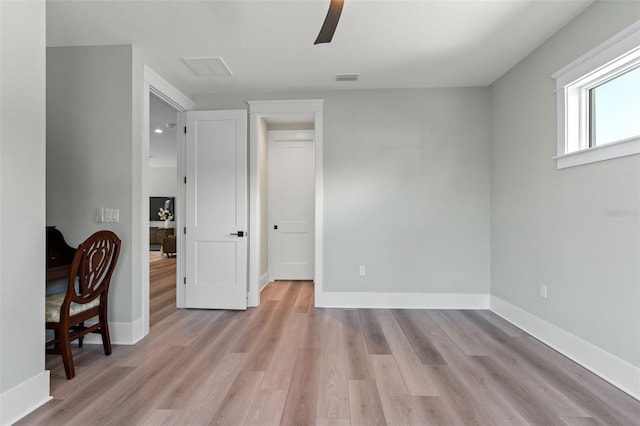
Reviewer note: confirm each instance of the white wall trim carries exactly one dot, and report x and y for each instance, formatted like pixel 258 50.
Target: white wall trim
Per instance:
pixel 319 214
pixel 181 206
pixel 21 400
pixel 253 277
pixel 285 106
pixel 599 153
pixel 122 333
pixel 264 280
pixel 616 371
pixel 402 300
pixel 610 49
pixel 165 90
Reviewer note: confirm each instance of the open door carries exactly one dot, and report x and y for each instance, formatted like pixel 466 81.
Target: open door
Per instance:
pixel 216 210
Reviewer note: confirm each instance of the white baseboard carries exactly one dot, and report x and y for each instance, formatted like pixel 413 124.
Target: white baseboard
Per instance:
pixel 616 371
pixel 402 300
pixel 264 280
pixel 20 400
pixel 253 299
pixel 122 333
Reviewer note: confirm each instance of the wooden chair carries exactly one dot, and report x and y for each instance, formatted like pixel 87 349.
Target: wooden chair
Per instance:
pixel 169 245
pixel 86 297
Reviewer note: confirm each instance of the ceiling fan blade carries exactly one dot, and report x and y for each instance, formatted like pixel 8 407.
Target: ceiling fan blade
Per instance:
pixel 330 22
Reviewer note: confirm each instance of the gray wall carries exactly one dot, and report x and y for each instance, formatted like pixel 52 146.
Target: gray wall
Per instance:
pixel 163 181
pixel 89 151
pixel 406 178
pixel 554 226
pixel 22 207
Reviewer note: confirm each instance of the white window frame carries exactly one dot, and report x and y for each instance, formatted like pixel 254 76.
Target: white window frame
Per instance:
pixel 618 55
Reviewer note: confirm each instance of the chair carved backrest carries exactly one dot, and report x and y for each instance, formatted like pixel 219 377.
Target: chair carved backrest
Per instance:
pixel 91 269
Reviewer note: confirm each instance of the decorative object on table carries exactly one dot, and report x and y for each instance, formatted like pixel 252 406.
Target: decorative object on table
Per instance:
pixel 166 215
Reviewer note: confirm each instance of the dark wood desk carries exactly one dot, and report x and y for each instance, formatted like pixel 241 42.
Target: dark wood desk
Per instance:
pixel 59 255
pixel 156 235
pixel 58 273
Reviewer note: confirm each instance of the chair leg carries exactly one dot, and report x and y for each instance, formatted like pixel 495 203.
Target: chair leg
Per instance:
pixel 67 358
pixel 81 338
pixel 106 338
pixel 56 336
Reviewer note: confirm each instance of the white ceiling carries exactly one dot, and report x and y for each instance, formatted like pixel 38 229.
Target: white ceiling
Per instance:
pixel 269 44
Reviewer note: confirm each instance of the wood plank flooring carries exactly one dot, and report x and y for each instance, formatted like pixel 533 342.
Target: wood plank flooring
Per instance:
pixel 162 286
pixel 287 363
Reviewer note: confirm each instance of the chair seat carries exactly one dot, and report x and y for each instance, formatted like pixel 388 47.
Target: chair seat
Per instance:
pixel 54 302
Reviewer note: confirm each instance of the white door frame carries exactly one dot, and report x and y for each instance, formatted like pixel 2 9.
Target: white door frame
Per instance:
pixel 154 83
pixel 282 109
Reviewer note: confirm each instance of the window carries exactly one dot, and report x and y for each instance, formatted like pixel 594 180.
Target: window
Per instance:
pixel 614 109
pixel 598 102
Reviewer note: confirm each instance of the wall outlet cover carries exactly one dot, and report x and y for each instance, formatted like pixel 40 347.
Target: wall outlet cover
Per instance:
pixel 543 291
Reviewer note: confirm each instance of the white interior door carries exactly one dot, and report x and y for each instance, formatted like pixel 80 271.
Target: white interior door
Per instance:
pixel 291 199
pixel 216 210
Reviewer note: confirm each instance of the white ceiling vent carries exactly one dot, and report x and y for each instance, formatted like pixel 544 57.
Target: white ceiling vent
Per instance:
pixel 347 77
pixel 207 66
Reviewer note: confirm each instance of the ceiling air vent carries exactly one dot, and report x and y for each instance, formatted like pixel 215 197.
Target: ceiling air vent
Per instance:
pixel 347 77
pixel 207 66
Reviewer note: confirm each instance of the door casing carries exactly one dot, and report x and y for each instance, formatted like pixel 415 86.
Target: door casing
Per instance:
pixel 283 111
pixel 154 83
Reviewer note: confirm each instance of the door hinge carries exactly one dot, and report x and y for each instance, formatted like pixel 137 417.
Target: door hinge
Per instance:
pixel 185 280
pixel 185 179
pixel 185 230
pixel 185 130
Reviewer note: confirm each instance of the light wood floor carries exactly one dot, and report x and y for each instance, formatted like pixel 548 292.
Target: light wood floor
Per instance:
pixel 162 286
pixel 289 363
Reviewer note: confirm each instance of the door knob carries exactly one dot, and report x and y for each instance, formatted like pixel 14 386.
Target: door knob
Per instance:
pixel 238 234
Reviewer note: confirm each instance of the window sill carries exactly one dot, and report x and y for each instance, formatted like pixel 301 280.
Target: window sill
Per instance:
pixel 600 153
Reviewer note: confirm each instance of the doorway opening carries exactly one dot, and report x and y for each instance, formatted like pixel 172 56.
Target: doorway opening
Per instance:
pixel 163 191
pixel 297 116
pixel 155 85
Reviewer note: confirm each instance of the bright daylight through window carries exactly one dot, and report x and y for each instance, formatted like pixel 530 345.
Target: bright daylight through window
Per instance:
pixel 598 102
pixel 614 109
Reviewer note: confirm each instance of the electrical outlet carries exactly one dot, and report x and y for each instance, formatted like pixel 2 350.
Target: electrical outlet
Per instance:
pixel 363 271
pixel 543 291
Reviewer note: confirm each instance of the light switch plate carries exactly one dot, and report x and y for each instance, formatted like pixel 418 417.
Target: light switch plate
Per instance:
pixel 99 214
pixel 113 215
